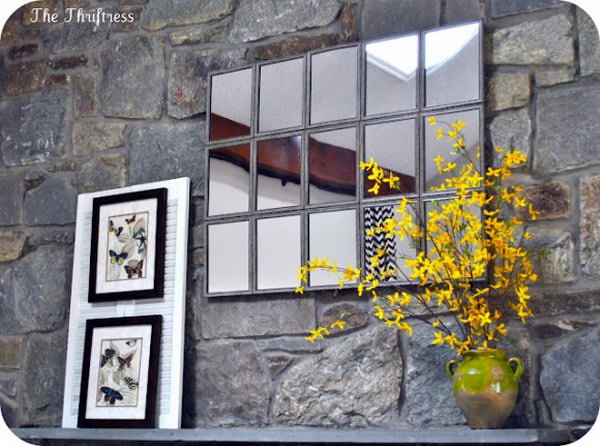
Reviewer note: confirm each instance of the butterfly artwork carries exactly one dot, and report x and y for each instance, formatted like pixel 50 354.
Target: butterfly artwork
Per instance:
pixel 139 234
pixel 107 356
pixel 118 258
pixel 125 362
pixel 111 395
pixel 114 229
pixel 134 268
pixel 119 373
pixel 131 383
pixel 127 247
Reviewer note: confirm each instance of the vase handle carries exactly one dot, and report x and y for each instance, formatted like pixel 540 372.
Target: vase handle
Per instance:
pixel 520 367
pixel 449 370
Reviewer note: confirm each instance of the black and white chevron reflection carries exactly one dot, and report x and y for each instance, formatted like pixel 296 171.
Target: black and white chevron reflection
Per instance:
pixel 374 217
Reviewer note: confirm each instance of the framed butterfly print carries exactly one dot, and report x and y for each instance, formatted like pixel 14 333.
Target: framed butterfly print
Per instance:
pixel 120 372
pixel 127 252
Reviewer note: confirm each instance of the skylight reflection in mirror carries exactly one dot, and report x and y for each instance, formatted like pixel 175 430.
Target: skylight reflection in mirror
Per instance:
pixel 392 75
pixel 452 64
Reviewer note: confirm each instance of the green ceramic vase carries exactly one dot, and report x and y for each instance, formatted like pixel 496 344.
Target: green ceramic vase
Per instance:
pixel 485 386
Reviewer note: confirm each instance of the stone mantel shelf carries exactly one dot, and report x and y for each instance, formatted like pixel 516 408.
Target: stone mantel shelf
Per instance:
pixel 451 435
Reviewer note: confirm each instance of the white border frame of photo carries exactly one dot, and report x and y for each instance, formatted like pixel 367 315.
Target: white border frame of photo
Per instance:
pixel 171 305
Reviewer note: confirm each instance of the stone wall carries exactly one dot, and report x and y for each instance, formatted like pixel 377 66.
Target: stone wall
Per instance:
pixel 86 108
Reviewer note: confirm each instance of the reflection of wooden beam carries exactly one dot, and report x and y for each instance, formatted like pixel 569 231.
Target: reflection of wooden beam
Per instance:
pixel 332 168
pixel 224 128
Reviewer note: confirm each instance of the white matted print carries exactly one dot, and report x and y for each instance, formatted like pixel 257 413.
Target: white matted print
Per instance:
pixel 127 252
pixel 120 372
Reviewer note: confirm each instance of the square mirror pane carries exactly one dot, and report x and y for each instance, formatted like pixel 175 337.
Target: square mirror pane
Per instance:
pixel 392 146
pixel 230 104
pixel 281 95
pixel 435 146
pixel 228 257
pixel 397 250
pixel 334 83
pixel 229 180
pixel 332 235
pixel 278 170
pixel 332 166
pixel 278 252
pixel 452 64
pixel 392 70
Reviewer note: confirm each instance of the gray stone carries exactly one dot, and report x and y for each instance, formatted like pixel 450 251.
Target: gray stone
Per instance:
pixel 32 127
pixel 554 76
pixel 11 245
pixel 2 77
pixel 384 18
pixel 225 318
pixel 8 412
pixel 551 199
pixel 8 321
pixel 352 315
pixel 58 79
pixel 569 378
pixel 163 151
pixel 256 19
pixel 555 261
pixel 559 328
pixel 568 127
pixel 81 35
pixel 590 226
pixel 10 32
pixel 508 90
pixel 554 302
pixel 589 44
pixel 507 7
pixel 292 45
pixel 188 78
pixel 40 289
pixel 41 388
pixel 133 76
pixel 52 203
pixel 350 22
pixel 109 171
pixel 26 77
pixel 23 51
pixel 45 236
pixel 463 10
pixel 85 104
pixel 159 14
pixel 126 26
pixel 354 383
pixel 547 41
pixel 289 344
pixel 231 384
pixel 9 384
pixel 90 137
pixel 278 364
pixel 213 32
pixel 429 400
pixel 11 198
pixel 511 129
pixel 70 62
pixel 10 352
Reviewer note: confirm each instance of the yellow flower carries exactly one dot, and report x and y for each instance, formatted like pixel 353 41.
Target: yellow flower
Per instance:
pixel 431 120
pixel 339 324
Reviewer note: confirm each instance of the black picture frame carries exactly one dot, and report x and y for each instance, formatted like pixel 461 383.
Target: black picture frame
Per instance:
pixel 150 419
pixel 159 270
